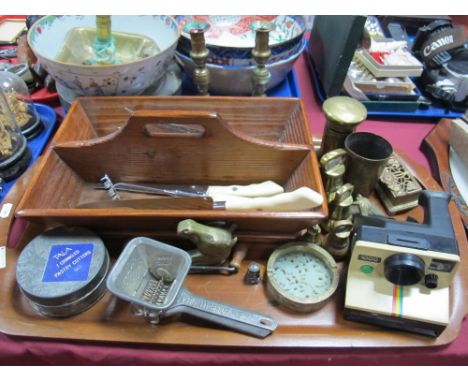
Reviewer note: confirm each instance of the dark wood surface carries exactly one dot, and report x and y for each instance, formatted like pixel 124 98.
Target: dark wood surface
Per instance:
pixel 111 319
pixel 436 147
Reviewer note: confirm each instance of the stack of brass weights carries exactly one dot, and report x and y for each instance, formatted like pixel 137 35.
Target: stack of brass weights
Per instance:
pixel 343 114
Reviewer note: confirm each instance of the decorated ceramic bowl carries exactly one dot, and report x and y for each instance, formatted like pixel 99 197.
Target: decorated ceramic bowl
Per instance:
pixel 247 60
pixel 230 39
pixel 169 84
pixel 48 34
pixel 237 80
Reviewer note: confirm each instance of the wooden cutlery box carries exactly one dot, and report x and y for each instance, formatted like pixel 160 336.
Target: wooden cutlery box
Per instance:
pixel 175 140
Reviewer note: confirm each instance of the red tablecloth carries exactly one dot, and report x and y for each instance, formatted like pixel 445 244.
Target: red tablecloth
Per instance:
pixel 404 135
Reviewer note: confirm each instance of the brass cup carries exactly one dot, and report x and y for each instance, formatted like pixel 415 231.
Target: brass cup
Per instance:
pixel 367 155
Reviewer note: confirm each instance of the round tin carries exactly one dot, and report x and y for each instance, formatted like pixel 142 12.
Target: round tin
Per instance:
pixel 62 271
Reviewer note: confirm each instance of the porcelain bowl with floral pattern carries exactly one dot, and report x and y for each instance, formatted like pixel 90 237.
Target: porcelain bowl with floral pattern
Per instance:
pixel 230 39
pixel 46 38
pixel 237 80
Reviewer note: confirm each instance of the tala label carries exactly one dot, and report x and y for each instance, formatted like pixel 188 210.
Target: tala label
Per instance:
pixel 68 262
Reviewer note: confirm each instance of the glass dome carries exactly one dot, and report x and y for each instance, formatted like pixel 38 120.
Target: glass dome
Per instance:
pixel 17 102
pixel 14 152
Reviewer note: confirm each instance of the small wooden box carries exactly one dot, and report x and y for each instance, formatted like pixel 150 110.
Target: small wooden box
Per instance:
pixel 177 140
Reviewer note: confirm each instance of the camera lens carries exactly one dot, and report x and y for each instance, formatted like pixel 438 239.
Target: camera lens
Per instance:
pixel 404 269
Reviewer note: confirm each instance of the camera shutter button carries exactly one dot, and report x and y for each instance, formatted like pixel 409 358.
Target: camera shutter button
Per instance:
pixel 431 280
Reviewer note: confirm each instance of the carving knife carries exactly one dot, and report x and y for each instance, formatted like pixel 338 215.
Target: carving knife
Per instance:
pixel 267 188
pixel 155 203
pixel 265 196
pixel 301 199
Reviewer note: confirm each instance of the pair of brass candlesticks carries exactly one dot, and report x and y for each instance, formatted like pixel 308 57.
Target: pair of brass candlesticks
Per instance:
pixel 261 54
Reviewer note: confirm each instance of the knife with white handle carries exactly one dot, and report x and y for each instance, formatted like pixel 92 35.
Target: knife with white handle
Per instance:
pixel 267 188
pixel 304 198
pixel 265 196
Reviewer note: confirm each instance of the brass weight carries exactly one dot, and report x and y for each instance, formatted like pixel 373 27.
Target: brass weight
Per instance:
pixel 338 239
pixel 333 168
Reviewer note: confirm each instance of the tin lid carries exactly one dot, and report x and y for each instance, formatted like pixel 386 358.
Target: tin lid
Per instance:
pixel 61 266
pixel 344 110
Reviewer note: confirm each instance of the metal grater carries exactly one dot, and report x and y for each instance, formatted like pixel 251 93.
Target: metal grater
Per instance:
pixel 150 275
pixel 156 291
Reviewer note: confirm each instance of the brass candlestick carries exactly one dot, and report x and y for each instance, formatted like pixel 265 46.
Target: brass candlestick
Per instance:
pixel 261 53
pixel 199 55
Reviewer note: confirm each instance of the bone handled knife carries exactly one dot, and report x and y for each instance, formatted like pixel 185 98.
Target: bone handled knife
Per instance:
pixel 265 196
pixel 267 188
pixel 304 198
pixel 301 199
pixel 153 203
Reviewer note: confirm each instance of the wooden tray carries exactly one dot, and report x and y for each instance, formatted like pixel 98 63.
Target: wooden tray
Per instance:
pixel 223 141
pixel 436 147
pixel 111 319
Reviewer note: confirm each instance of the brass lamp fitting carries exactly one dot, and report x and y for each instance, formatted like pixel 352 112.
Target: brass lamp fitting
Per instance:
pixel 261 54
pixel 103 28
pixel 104 43
pixel 199 55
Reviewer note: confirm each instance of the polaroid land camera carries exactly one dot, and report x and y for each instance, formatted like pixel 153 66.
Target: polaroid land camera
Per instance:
pixel 400 272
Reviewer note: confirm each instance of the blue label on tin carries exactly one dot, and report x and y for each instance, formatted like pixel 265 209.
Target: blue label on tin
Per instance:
pixel 68 262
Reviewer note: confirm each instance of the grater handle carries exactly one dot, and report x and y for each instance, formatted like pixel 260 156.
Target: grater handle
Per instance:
pixel 238 319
